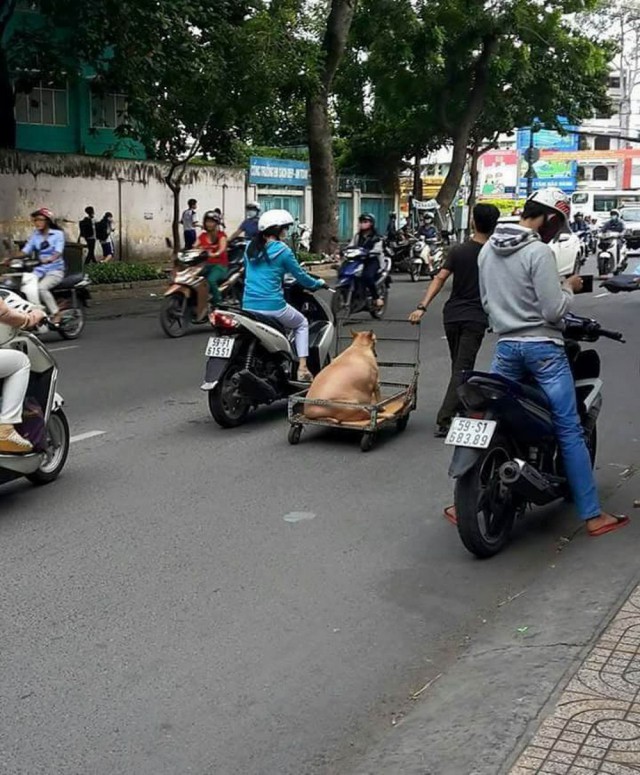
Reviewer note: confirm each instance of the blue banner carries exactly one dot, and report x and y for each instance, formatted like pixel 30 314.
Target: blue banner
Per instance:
pixel 278 172
pixel 547 172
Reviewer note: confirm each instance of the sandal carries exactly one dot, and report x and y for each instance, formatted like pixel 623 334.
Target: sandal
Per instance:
pixel 621 521
pixel 450 515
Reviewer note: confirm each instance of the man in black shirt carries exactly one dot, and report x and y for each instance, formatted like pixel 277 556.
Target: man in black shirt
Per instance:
pixel 464 319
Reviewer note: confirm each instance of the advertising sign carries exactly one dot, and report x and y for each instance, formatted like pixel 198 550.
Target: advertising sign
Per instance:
pixel 278 172
pixel 498 173
pixel 548 170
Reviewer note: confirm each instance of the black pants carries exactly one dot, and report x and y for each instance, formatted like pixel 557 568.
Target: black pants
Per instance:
pixel 369 276
pixel 464 341
pixel 91 251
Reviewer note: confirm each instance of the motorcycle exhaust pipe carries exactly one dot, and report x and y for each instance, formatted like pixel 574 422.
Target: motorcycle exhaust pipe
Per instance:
pixel 530 484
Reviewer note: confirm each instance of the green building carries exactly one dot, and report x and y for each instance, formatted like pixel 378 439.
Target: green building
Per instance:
pixel 68 116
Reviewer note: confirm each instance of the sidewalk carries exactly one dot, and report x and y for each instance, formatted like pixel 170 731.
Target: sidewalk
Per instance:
pixel 595 725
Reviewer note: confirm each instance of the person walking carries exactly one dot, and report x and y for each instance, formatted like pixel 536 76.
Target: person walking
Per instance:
pixel 105 228
pixel 88 233
pixel 189 223
pixel 465 321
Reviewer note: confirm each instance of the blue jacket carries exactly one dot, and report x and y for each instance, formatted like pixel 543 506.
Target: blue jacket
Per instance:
pixel 263 291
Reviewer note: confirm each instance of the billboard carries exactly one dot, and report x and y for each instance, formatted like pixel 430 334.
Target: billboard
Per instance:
pixel 548 171
pixel 498 173
pixel 278 172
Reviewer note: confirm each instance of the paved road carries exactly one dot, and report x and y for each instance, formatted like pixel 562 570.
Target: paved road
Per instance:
pixel 160 616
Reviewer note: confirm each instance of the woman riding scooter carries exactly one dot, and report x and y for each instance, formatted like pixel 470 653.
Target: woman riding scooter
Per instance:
pixel 213 241
pixel 48 240
pixel 14 371
pixel 267 260
pixel 369 239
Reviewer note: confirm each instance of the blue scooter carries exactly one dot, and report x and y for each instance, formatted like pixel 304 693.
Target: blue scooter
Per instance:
pixel 351 295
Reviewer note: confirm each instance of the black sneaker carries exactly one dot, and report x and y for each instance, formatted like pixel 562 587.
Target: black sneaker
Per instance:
pixel 441 431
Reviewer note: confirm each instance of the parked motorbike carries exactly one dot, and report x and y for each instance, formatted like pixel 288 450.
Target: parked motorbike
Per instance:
pixel 44 422
pixel 251 358
pixel 419 262
pixel 186 300
pixel 506 455
pixel 612 253
pixel 351 295
pixel 72 296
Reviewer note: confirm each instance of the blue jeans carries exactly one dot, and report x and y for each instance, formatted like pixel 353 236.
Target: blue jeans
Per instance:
pixel 549 366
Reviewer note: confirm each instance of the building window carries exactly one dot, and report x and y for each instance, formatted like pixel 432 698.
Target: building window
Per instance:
pixel 614 82
pixel 28 5
pixel 581 176
pixel 600 173
pixel 602 143
pixel 46 103
pixel 107 110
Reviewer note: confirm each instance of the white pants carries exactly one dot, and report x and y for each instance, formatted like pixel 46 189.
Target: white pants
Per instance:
pixel 14 368
pixel 290 318
pixel 36 288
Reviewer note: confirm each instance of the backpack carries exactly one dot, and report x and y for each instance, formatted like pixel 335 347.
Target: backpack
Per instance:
pixel 102 230
pixel 86 228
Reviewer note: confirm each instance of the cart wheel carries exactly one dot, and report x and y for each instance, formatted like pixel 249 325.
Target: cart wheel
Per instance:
pixel 295 431
pixel 367 441
pixel 402 423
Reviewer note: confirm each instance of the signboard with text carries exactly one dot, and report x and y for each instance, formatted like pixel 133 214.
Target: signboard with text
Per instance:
pixel 278 172
pixel 548 170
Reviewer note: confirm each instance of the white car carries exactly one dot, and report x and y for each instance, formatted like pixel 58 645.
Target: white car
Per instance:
pixel 566 248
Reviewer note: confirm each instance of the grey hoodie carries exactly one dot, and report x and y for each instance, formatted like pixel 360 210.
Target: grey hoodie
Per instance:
pixel 519 285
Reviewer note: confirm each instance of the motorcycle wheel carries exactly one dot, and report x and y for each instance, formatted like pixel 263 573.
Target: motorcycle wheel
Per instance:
pixel 57 450
pixel 175 319
pixel 415 272
pixel 378 312
pixel 72 323
pixel 228 409
pixel 485 513
pixel 603 266
pixel 341 304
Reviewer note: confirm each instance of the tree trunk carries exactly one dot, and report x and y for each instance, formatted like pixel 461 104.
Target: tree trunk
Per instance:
pixel 321 164
pixel 475 105
pixel 174 185
pixel 7 104
pixel 473 182
pixel 417 174
pixel 324 237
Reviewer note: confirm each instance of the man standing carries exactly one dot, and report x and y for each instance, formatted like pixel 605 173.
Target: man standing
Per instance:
pixel 526 304
pixel 88 233
pixel 189 223
pixel 465 322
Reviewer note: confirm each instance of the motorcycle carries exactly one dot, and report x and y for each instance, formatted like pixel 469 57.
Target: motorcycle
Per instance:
pixel 351 296
pixel 186 300
pixel 585 239
pixel 400 253
pixel 612 253
pixel 44 422
pixel 251 358
pixel 506 455
pixel 420 265
pixel 71 296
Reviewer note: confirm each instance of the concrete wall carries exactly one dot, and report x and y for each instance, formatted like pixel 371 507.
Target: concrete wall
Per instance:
pixel 133 191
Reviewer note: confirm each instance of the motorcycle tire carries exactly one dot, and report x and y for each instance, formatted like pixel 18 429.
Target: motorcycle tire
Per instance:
pixel 72 323
pixel 226 411
pixel 415 273
pixel 58 440
pixel 377 313
pixel 174 319
pixel 603 266
pixel 482 534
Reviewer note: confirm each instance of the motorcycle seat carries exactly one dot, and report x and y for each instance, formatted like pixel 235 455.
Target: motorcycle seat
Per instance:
pixel 271 322
pixel 70 281
pixel 526 390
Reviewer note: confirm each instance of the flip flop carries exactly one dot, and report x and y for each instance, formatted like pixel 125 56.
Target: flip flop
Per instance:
pixel 621 521
pixel 450 515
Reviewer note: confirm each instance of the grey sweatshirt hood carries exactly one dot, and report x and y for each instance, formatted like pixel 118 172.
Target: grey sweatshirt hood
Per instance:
pixel 519 285
pixel 509 237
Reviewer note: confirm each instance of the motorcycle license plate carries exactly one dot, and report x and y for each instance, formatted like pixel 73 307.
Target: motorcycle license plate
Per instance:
pixel 219 347
pixel 476 434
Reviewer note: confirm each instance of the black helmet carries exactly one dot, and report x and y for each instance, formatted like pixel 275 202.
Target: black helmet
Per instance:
pixel 212 215
pixel 367 217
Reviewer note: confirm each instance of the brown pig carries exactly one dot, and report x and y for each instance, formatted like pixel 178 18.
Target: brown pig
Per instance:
pixel 352 378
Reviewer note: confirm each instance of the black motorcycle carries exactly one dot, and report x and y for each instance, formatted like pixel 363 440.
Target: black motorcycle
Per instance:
pixel 351 295
pixel 72 295
pixel 506 455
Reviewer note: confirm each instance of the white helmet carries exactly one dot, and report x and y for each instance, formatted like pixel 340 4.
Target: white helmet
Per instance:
pixel 275 219
pixel 252 206
pixel 554 199
pixel 16 302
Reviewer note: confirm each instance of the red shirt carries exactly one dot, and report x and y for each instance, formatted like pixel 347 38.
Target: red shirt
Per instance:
pixel 205 243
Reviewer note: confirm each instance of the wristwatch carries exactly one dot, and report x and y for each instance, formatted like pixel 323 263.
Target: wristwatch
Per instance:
pixel 421 307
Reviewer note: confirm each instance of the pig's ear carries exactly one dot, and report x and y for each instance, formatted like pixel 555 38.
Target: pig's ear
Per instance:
pixel 354 333
pixel 371 335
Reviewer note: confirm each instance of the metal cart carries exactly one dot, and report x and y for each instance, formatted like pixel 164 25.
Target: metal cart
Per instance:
pixel 398 353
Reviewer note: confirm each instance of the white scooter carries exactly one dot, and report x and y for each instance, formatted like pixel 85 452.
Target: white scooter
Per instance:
pixel 612 253
pixel 251 359
pixel 44 422
pixel 420 263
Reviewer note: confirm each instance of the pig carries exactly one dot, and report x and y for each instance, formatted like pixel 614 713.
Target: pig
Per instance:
pixel 352 378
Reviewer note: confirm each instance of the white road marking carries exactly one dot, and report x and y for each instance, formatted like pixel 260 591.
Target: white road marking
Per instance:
pixel 87 435
pixel 298 516
pixel 600 295
pixel 60 349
